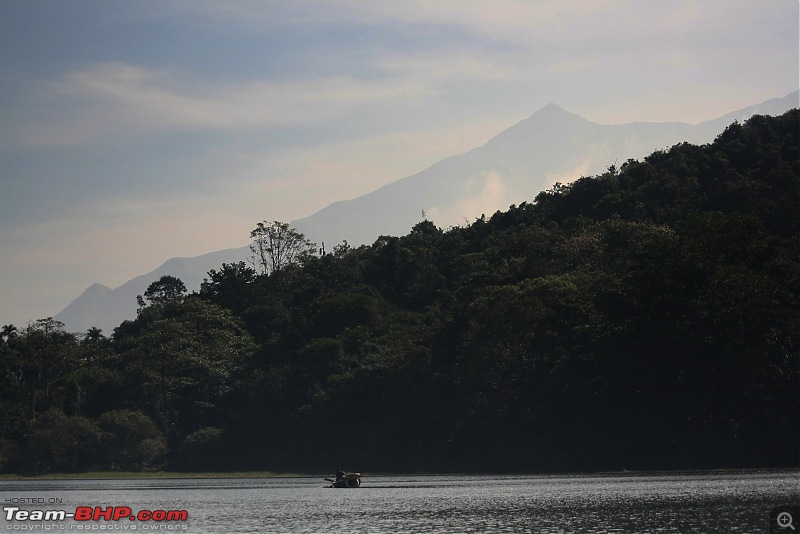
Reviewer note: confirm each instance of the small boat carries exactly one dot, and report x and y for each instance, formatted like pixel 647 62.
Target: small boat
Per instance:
pixel 349 480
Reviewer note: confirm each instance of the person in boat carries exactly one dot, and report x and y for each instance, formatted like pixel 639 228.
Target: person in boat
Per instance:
pixel 339 474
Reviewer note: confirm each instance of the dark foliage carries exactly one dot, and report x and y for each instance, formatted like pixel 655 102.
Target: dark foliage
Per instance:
pixel 647 318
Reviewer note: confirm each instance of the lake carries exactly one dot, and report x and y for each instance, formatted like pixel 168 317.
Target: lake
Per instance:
pixel 675 502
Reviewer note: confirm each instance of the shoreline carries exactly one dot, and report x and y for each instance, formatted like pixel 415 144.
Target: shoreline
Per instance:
pixel 146 475
pixel 133 475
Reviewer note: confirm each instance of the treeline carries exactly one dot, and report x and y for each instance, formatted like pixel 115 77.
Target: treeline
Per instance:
pixel 647 318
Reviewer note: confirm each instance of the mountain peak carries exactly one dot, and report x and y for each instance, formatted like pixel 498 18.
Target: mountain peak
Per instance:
pixel 96 288
pixel 552 107
pixel 551 120
pixel 553 110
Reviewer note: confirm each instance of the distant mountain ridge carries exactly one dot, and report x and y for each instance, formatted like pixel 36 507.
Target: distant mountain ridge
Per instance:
pixel 515 165
pixel 552 145
pixel 106 308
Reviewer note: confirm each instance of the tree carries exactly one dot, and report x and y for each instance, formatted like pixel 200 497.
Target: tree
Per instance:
pixel 62 443
pixel 8 333
pixel 165 289
pixel 94 335
pixel 180 362
pixel 230 287
pixel 275 245
pixel 133 441
pixel 48 352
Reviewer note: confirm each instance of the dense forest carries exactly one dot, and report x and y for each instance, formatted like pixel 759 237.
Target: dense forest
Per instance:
pixel 646 318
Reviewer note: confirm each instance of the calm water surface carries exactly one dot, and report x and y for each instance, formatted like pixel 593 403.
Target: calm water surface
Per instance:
pixel 681 503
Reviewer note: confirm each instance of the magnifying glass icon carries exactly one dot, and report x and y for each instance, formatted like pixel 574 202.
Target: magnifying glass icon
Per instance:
pixel 785 520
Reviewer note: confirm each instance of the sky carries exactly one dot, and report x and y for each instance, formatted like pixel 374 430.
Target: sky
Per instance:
pixel 132 132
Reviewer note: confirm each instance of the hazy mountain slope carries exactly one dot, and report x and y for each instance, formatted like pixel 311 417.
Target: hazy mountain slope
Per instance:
pixel 775 106
pixel 107 308
pixel 550 146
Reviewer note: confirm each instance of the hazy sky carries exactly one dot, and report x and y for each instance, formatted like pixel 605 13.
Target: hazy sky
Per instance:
pixel 136 131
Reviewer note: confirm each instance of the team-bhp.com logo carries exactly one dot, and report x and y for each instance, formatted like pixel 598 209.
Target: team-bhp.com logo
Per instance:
pixel 88 514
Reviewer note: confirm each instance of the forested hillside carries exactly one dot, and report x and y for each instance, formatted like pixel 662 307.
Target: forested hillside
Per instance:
pixel 648 318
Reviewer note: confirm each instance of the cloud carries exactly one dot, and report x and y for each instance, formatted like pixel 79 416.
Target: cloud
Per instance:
pixel 500 18
pixel 120 99
pixel 597 161
pixel 528 52
pixel 520 21
pixel 116 98
pixel 485 195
